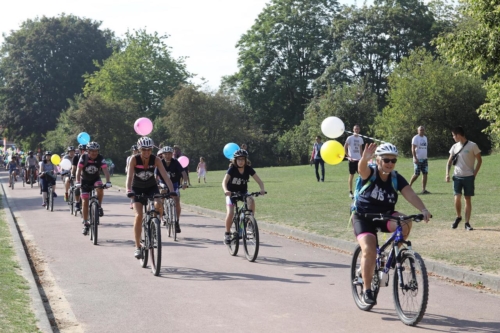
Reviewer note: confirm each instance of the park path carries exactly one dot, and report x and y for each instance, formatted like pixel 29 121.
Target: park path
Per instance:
pixel 293 287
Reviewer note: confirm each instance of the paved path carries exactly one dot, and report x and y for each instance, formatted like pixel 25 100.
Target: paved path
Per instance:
pixel 293 287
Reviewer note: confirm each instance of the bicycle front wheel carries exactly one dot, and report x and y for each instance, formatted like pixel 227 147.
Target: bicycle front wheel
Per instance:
pixel 51 199
pixel 155 248
pixel 94 223
pixel 411 288
pixel 144 245
pixel 234 245
pixel 251 238
pixel 173 218
pixel 357 282
pixel 70 202
pixel 31 179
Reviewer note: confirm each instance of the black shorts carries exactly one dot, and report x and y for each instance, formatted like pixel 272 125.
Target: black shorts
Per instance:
pixel 87 185
pixel 353 167
pixel 146 191
pixel 363 226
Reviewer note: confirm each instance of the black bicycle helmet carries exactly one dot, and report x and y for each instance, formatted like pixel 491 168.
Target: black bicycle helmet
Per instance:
pixel 48 152
pixel 82 147
pixel 134 147
pixel 71 148
pixel 240 153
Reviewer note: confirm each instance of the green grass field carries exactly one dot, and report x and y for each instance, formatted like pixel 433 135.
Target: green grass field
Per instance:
pixel 15 311
pixel 296 199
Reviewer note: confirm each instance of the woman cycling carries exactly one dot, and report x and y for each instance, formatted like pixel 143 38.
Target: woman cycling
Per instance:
pixel 141 180
pixel 47 176
pixel 12 167
pixel 379 197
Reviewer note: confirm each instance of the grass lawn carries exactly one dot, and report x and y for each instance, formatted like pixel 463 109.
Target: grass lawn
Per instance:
pixel 15 311
pixel 296 199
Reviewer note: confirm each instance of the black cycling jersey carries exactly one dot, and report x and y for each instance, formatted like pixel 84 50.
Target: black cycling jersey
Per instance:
pixel 174 170
pixel 144 175
pixel 238 181
pixel 90 168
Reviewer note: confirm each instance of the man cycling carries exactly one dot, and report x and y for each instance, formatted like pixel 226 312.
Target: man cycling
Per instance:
pixel 141 180
pixel 31 166
pixel 175 171
pixel 66 174
pixel 74 167
pixel 379 197
pixel 87 177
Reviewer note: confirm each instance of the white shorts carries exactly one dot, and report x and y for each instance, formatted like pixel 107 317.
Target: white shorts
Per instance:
pixel 202 173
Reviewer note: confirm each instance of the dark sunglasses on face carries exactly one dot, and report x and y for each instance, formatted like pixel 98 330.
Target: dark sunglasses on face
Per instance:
pixel 392 160
pixel 146 149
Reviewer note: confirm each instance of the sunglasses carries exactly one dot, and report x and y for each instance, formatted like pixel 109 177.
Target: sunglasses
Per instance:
pixel 391 160
pixel 146 149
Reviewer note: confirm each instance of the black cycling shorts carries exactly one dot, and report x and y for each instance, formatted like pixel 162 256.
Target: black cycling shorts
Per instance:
pixel 363 226
pixel 146 191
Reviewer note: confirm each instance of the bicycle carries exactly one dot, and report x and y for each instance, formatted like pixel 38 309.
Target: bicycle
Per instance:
pixel 71 196
pixel 11 180
pixel 31 176
pixel 94 213
pixel 49 201
pixel 170 213
pixel 151 233
pixel 410 281
pixel 244 226
pixel 22 175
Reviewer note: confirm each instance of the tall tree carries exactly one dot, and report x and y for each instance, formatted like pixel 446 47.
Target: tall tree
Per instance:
pixel 429 92
pixel 373 38
pixel 286 49
pixel 42 65
pixel 143 71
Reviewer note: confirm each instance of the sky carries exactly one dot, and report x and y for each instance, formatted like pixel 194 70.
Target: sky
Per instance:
pixel 204 31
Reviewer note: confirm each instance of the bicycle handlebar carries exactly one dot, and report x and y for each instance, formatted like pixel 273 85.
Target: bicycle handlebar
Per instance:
pixel 244 195
pixel 156 195
pixel 384 217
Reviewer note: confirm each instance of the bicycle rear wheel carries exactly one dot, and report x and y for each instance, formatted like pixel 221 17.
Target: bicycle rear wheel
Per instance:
pixel 155 248
pixel 251 238
pixel 411 290
pixel 234 245
pixel 71 200
pixel 94 222
pixel 51 199
pixel 144 245
pixel 12 182
pixel 357 282
pixel 173 218
pixel 31 179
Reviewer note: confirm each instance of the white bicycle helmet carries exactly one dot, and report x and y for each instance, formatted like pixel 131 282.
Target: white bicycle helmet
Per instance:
pixel 168 149
pixel 386 149
pixel 93 146
pixel 145 142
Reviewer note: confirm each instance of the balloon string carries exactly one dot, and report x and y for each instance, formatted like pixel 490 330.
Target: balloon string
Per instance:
pixel 366 137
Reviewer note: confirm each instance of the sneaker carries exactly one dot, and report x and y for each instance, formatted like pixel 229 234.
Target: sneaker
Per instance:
pixel 425 192
pixel 468 227
pixel 227 238
pixel 54 194
pixel 66 196
pixel 43 205
pixel 77 206
pixel 85 229
pixel 351 195
pixel 138 253
pixel 101 212
pixel 177 228
pixel 455 224
pixel 322 180
pixel 369 298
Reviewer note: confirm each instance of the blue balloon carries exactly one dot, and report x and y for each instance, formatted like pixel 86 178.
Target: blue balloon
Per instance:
pixel 83 138
pixel 229 150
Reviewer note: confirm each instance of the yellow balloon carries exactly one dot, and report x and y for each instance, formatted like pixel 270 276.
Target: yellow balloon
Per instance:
pixel 55 159
pixel 332 152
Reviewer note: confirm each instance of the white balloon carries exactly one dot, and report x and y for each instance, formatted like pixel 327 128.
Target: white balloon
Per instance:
pixel 332 127
pixel 65 164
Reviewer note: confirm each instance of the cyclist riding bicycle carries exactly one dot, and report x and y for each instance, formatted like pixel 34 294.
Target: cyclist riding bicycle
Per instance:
pixel 135 151
pixel 66 174
pixel 74 167
pixel 88 176
pixel 141 180
pixel 47 173
pixel 380 197
pixel 236 180
pixel 31 164
pixel 175 171
pixel 12 166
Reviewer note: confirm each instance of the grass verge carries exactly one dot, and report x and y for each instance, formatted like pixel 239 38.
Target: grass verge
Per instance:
pixel 15 311
pixel 296 199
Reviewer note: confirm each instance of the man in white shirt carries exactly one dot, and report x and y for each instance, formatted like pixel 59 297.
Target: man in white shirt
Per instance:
pixel 463 155
pixel 353 148
pixel 419 151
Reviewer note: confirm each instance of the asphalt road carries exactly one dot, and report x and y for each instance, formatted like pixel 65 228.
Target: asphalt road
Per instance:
pixel 292 287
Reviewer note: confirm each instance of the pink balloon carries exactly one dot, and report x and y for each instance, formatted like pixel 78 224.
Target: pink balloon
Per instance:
pixel 143 126
pixel 184 161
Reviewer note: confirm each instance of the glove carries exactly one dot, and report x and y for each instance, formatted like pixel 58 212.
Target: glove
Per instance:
pixel 78 185
pixel 130 194
pixel 108 185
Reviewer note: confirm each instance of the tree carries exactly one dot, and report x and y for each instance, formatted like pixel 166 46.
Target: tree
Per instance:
pixel 144 71
pixel 286 49
pixel 354 104
pixel 203 122
pixel 41 66
pixel 475 44
pixel 108 123
pixel 373 39
pixel 429 92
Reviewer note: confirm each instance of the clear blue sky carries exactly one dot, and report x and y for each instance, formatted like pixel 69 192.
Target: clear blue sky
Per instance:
pixel 205 31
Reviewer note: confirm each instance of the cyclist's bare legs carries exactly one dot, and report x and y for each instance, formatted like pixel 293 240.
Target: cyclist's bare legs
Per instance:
pixel 251 205
pixel 229 217
pixel 66 184
pixel 178 207
pixel 85 208
pixel 138 208
pixel 159 206
pixel 100 195
pixel 368 244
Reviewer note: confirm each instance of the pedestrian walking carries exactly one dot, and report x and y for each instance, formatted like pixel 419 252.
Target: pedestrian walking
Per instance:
pixel 419 146
pixel 465 155
pixel 353 148
pixel 201 169
pixel 316 158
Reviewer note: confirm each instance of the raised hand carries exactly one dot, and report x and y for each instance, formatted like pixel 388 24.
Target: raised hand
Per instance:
pixel 369 151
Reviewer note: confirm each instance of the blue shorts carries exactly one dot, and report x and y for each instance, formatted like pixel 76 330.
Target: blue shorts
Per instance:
pixel 465 183
pixel 421 166
pixel 176 188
